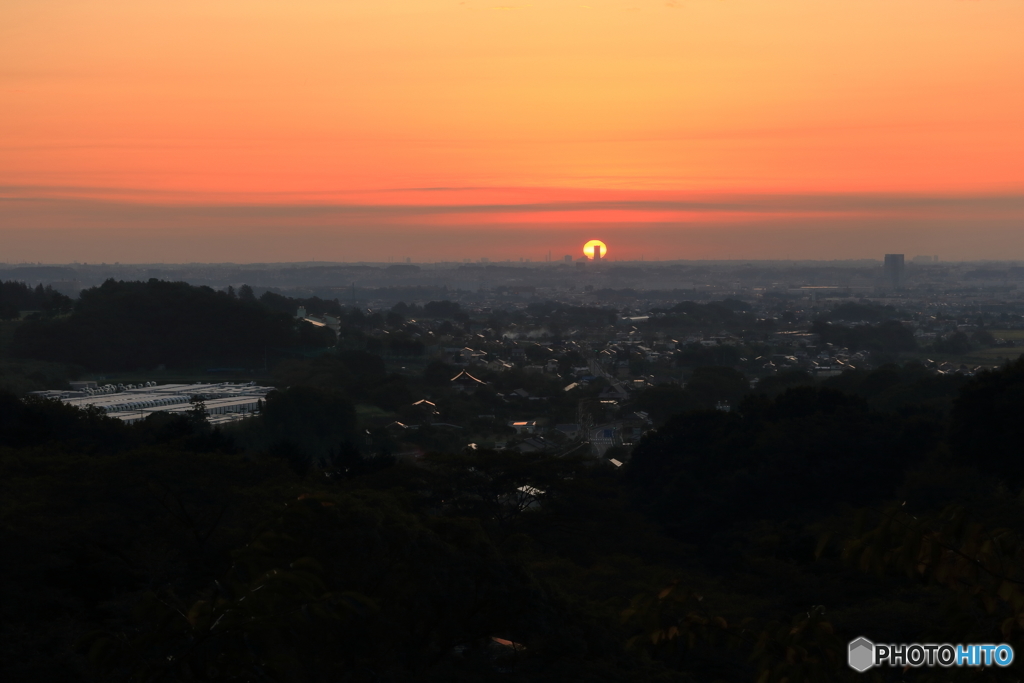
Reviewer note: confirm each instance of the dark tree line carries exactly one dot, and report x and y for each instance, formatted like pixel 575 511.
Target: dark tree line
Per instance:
pixel 799 455
pixel 142 325
pixel 887 337
pixel 731 314
pixel 16 297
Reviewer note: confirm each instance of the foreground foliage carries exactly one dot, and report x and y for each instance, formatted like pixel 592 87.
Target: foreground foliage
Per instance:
pixel 742 546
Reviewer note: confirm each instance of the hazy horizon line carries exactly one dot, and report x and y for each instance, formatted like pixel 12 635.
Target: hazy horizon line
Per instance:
pixel 497 262
pixel 634 224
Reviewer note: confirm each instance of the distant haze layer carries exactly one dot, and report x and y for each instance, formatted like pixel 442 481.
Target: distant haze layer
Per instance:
pixel 366 130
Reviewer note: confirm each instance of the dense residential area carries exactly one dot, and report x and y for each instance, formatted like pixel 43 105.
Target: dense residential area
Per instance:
pixel 521 472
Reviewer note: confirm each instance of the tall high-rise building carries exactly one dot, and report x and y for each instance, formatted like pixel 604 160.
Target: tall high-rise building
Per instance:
pixel 597 252
pixel 893 270
pixel 567 258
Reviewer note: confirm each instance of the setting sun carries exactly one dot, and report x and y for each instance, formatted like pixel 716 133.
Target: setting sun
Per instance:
pixel 591 247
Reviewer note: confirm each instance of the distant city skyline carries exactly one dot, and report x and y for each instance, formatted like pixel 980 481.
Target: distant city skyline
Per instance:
pixel 916 262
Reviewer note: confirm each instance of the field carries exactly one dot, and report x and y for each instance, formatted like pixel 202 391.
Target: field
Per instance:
pixel 993 357
pixel 1008 335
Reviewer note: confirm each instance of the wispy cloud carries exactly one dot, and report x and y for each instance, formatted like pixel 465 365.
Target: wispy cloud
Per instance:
pixel 618 201
pixel 64 229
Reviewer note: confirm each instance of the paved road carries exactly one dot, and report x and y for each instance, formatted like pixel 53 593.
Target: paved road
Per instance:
pixel 602 438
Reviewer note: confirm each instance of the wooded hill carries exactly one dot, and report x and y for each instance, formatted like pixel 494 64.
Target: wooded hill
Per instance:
pixel 744 546
pixel 143 325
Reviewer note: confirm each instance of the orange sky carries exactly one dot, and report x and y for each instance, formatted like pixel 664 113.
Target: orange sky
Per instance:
pixel 264 130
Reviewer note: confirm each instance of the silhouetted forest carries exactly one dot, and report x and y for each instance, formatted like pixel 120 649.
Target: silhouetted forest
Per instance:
pixel 17 298
pixel 299 545
pixel 886 337
pixel 145 325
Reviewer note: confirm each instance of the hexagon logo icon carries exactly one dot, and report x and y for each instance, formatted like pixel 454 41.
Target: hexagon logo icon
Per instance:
pixel 861 654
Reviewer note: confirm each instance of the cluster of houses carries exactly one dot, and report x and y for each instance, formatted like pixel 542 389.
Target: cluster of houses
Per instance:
pixel 600 423
pixel 628 355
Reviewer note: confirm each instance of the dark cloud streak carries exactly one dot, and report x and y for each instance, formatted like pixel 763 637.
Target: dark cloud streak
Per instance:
pixel 762 204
